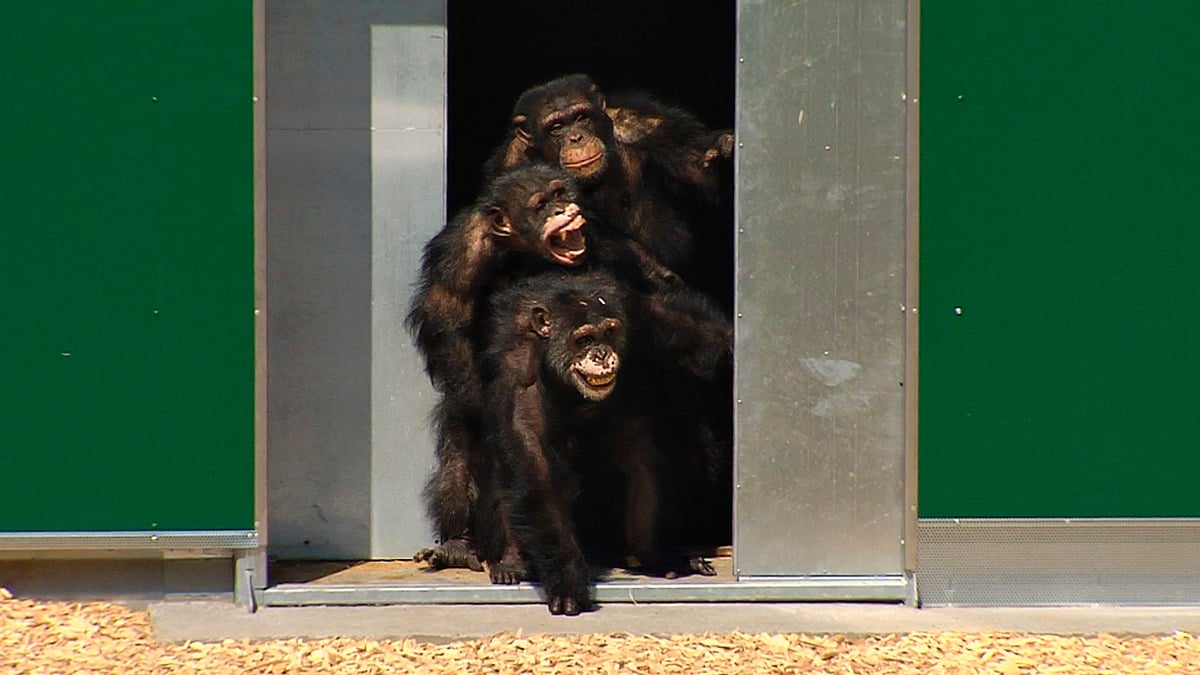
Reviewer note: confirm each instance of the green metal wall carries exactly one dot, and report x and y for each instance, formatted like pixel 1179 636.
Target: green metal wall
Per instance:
pixel 126 266
pixel 1060 183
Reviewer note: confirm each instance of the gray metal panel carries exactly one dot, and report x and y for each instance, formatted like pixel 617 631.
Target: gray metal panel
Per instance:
pixel 820 283
pixel 408 163
pixel 323 492
pixel 1039 562
pixel 319 370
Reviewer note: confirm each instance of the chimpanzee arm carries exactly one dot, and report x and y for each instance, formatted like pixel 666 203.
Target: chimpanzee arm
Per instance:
pixel 629 260
pixel 454 268
pixel 538 511
pixel 674 141
pixel 442 319
pixel 686 326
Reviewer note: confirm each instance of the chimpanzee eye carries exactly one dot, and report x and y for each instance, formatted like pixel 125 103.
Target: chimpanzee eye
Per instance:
pixel 582 118
pixel 556 129
pixel 584 341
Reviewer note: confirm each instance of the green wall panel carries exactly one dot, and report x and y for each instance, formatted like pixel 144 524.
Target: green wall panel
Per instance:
pixel 126 266
pixel 1060 174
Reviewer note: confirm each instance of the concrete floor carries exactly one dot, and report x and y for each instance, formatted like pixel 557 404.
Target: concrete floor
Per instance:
pixel 178 620
pixel 212 620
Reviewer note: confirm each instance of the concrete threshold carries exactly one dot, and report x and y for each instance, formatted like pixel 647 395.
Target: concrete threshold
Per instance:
pixel 177 621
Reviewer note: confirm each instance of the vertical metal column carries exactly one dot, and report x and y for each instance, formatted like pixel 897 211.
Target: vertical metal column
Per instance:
pixel 820 285
pixel 408 170
pixel 348 208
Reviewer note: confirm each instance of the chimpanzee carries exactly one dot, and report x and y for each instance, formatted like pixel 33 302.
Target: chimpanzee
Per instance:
pixel 520 222
pixel 576 454
pixel 527 219
pixel 641 163
pixel 658 174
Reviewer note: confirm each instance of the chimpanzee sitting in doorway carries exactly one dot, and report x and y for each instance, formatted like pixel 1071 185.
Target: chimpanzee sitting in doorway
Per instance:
pixel 561 438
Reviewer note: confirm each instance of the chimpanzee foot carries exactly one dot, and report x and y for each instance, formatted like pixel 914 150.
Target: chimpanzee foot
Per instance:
pixel 673 567
pixel 702 567
pixel 508 570
pixel 454 553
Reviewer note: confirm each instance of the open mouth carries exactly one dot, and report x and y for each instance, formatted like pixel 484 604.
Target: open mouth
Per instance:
pixel 600 380
pixel 595 386
pixel 564 237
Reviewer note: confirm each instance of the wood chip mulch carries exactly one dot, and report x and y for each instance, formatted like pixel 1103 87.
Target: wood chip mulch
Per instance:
pixel 51 637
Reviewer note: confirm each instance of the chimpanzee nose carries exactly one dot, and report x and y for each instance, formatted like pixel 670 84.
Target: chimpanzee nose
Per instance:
pixel 576 137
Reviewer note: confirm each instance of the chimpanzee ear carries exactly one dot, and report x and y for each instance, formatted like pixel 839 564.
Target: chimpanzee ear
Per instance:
pixel 519 131
pixel 539 319
pixel 498 222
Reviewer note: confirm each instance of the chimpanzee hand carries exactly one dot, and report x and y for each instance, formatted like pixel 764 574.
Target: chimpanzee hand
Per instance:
pixel 723 148
pixel 569 594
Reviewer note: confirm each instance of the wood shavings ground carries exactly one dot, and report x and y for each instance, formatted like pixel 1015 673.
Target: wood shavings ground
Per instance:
pixel 105 638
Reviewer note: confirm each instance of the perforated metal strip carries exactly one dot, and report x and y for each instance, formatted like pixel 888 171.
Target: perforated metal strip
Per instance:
pixel 1018 562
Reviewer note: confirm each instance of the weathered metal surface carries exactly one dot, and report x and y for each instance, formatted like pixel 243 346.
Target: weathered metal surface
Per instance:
pixel 820 285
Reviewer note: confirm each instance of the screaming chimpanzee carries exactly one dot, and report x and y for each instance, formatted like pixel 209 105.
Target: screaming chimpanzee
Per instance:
pixel 527 219
pixel 639 163
pixel 520 222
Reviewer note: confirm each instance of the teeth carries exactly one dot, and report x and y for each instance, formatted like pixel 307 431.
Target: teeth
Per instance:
pixel 600 380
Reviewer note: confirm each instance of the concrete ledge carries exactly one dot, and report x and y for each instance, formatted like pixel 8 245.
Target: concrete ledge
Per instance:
pixel 179 621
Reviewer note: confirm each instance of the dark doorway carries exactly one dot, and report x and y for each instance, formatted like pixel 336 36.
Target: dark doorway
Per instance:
pixel 682 52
